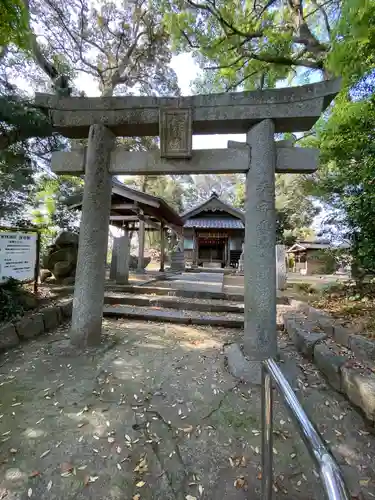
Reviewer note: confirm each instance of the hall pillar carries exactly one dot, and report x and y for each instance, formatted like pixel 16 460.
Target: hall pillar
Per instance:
pixel 162 247
pixel 260 338
pixel 113 268
pixel 195 247
pixel 141 245
pixel 93 240
pixel 122 272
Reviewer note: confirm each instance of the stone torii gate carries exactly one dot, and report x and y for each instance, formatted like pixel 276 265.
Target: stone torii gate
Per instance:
pixel 259 114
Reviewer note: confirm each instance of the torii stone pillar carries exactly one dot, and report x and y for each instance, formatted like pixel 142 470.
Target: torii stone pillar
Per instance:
pixel 141 245
pixel 93 240
pixel 260 338
pixel 122 272
pixel 175 120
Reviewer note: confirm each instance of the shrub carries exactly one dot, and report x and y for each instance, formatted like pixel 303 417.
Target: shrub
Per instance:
pixel 12 300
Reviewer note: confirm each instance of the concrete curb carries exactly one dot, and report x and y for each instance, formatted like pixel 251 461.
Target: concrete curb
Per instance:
pixel 356 383
pixel 34 324
pixel 363 348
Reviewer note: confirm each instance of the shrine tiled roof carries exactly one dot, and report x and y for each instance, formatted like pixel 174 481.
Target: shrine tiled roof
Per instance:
pixel 214 223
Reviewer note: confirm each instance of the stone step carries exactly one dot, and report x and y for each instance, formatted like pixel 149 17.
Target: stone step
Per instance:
pixel 167 291
pixel 175 303
pixel 193 317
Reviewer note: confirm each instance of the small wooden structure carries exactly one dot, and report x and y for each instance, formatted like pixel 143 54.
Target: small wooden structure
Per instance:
pixel 137 211
pixel 213 234
pixel 309 256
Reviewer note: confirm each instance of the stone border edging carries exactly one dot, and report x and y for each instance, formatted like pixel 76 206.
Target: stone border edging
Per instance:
pixel 363 348
pixel 355 382
pixel 34 324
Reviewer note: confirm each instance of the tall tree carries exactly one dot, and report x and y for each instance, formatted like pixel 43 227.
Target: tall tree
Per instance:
pixel 249 45
pixel 123 47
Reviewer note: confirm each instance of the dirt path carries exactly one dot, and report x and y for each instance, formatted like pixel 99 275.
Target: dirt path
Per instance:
pixel 154 414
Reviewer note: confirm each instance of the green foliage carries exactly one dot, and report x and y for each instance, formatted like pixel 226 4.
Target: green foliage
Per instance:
pixel 353 46
pixel 252 45
pixel 326 259
pixel 12 299
pixel 347 175
pixel 13 23
pixel 294 210
pixel 49 201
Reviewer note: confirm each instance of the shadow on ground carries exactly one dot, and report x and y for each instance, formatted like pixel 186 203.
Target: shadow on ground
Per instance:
pixel 153 414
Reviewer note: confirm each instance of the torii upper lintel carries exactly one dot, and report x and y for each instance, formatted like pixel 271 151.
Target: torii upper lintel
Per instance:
pixel 291 109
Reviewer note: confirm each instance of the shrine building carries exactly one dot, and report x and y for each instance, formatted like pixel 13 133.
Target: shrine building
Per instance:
pixel 214 232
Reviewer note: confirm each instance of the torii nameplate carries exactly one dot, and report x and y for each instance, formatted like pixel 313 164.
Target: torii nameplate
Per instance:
pixel 175 129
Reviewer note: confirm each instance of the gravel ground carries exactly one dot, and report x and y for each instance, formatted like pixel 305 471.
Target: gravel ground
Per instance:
pixel 154 414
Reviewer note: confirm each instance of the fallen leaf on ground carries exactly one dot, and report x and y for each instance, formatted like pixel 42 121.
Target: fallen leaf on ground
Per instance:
pixel 3 493
pixel 140 484
pixel 34 473
pixel 92 479
pixel 240 483
pixel 142 465
pixel 49 485
pixel 136 497
pixel 29 492
pixel 44 454
pixel 66 467
pixel 189 497
pixel 186 429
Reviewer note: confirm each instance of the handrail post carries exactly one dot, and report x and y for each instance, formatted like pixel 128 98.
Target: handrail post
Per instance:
pixel 329 472
pixel 267 430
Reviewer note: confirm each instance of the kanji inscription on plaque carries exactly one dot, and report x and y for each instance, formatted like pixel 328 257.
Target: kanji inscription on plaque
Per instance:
pixel 175 133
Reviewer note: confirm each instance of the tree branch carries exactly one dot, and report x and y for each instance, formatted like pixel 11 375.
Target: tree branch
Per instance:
pixel 223 22
pixel 191 44
pixel 118 74
pixel 225 66
pixel 78 44
pixel 286 61
pixel 48 68
pixel 325 16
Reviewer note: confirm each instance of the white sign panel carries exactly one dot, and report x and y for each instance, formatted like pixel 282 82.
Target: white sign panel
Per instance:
pixel 18 254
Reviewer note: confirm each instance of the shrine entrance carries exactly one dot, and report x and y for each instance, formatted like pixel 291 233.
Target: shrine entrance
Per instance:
pixel 260 115
pixel 212 249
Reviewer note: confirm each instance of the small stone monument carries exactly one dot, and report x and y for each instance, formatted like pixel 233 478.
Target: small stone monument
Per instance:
pixel 241 261
pixel 281 272
pixel 177 255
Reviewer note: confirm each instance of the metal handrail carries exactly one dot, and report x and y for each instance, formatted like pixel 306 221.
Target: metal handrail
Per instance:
pixel 326 465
